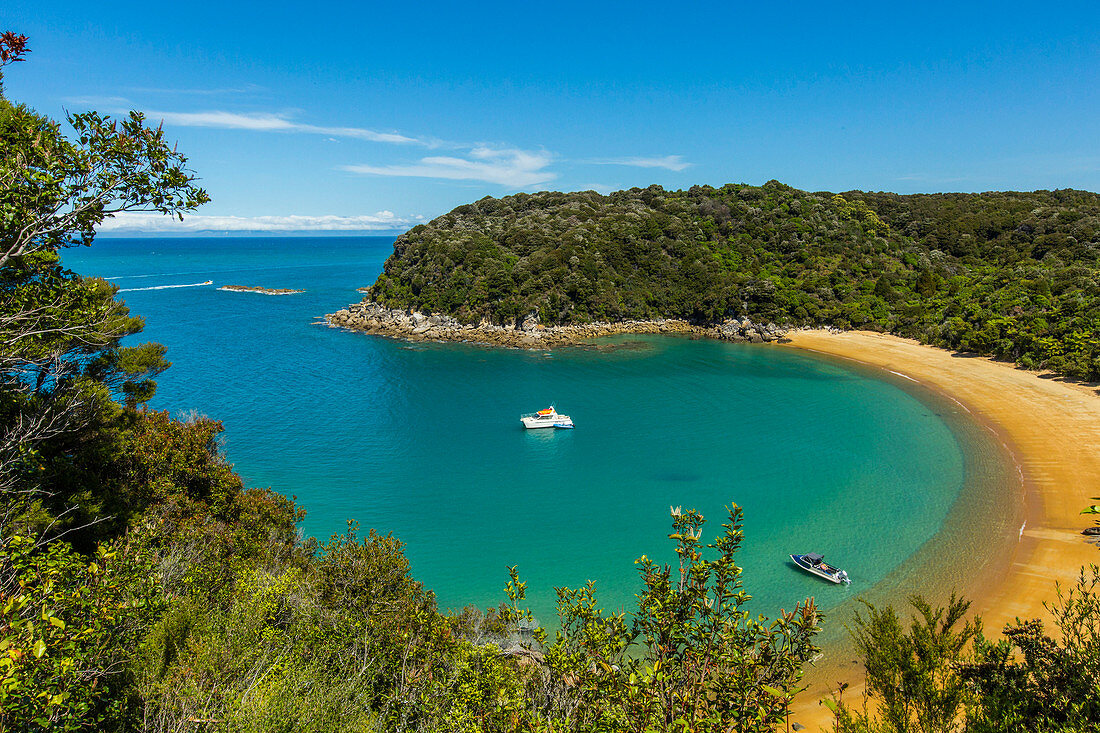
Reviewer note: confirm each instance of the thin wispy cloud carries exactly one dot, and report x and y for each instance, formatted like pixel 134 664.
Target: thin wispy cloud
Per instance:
pixel 257 121
pixel 273 122
pixel 135 222
pixel 510 167
pixel 507 166
pixel 244 89
pixel 112 102
pixel 668 162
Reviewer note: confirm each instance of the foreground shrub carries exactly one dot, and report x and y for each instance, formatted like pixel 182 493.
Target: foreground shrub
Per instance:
pixel 691 658
pixel 68 627
pixel 926 680
pixel 912 674
pixel 1031 681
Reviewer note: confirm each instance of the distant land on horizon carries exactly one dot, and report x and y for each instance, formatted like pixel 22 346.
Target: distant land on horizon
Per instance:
pixel 253 233
pixel 172 228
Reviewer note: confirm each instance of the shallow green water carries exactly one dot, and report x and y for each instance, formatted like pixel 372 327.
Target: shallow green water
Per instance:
pixel 424 440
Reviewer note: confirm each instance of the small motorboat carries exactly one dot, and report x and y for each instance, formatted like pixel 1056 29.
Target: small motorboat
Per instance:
pixel 548 418
pixel 815 564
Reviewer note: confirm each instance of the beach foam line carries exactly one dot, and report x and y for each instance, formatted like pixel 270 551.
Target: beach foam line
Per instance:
pixel 167 287
pixel 904 376
pixel 961 405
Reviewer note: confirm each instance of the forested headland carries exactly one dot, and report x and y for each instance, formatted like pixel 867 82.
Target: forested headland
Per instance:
pixel 1008 274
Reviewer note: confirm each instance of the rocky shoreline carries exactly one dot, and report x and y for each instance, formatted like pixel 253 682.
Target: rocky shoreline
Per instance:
pixel 529 333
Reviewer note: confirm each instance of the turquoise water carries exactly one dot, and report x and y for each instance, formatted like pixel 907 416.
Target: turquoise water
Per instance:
pixel 424 440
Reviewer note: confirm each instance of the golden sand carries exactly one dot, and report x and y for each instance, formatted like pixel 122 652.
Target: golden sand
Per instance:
pixel 1051 429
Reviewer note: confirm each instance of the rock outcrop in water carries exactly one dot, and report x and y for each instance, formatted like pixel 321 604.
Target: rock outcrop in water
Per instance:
pixel 258 289
pixel 528 332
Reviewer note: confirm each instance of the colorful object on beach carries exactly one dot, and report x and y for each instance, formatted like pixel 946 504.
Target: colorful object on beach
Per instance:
pixel 548 418
pixel 815 564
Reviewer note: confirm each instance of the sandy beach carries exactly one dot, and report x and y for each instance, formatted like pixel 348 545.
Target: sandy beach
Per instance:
pixel 1051 430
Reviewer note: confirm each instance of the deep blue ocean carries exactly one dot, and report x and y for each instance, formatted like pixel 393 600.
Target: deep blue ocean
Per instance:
pixel 424 440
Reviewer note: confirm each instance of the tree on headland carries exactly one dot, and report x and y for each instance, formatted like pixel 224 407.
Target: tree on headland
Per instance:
pixel 55 191
pixel 61 362
pixel 12 48
pixel 69 621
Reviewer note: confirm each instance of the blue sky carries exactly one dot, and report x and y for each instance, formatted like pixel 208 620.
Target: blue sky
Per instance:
pixel 370 117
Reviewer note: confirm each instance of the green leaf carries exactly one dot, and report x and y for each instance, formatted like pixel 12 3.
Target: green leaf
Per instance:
pixel 831 704
pixel 54 621
pixel 772 691
pixel 39 649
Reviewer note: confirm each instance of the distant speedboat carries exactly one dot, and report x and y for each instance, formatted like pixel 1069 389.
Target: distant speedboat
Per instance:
pixel 548 418
pixel 815 564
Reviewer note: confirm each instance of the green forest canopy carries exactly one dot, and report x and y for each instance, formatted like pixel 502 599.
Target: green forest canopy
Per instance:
pixel 1008 274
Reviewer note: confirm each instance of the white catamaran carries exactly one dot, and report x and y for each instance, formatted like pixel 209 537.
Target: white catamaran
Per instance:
pixel 548 418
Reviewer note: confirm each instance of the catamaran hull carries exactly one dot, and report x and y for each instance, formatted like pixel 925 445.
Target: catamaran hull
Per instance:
pixel 532 423
pixel 560 421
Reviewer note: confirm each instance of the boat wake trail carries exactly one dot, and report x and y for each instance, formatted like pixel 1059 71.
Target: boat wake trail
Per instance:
pixel 166 287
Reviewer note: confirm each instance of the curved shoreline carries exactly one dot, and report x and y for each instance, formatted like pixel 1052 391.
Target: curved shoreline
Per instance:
pixel 1050 429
